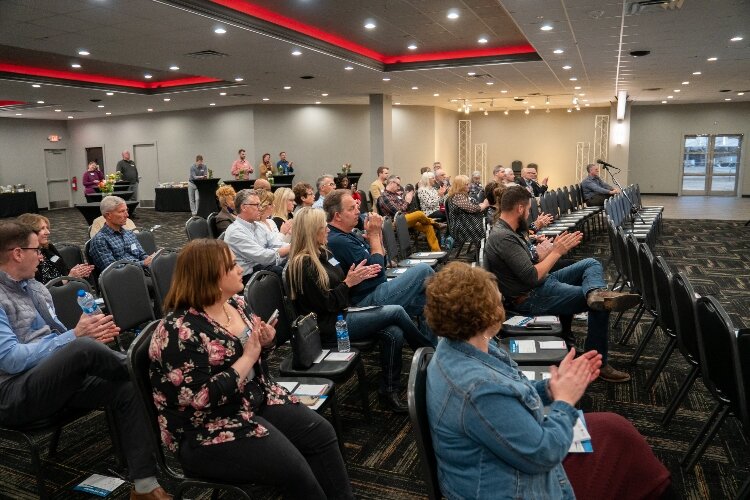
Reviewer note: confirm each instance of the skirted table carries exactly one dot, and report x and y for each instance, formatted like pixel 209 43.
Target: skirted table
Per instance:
pixel 91 211
pixel 15 204
pixel 95 197
pixel 174 199
pixel 207 196
pixel 238 185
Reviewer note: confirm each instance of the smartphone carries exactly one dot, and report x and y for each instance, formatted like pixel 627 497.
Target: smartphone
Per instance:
pixel 308 400
pixel 273 317
pixel 157 253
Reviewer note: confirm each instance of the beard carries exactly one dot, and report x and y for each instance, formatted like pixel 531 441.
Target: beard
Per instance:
pixel 523 225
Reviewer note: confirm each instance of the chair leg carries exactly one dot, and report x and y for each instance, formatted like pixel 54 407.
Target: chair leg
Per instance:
pixel 644 341
pixel 631 325
pixel 661 362
pixel 337 421
pixel 363 392
pixel 674 405
pixel 36 465
pixel 54 440
pixel 688 462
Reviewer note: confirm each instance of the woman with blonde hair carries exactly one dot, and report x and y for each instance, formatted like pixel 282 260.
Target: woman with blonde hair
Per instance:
pixel 220 411
pixel 429 197
pixel 465 216
pixel 225 195
pixel 283 206
pixel 319 285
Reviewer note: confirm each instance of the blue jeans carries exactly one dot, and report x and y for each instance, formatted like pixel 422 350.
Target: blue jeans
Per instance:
pixel 393 326
pixel 564 292
pixel 406 291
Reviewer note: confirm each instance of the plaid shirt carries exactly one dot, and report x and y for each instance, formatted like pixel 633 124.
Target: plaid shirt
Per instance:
pixel 391 203
pixel 109 246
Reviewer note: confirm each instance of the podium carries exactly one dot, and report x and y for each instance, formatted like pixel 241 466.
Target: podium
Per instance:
pixel 207 196
pixel 239 185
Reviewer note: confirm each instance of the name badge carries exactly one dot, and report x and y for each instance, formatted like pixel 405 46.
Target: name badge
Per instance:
pixel 54 258
pixel 333 261
pixel 134 247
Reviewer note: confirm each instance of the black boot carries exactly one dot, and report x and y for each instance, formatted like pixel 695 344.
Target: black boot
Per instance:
pixel 392 401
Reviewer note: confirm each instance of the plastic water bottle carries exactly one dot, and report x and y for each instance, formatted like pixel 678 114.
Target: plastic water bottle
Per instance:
pixel 88 303
pixel 342 334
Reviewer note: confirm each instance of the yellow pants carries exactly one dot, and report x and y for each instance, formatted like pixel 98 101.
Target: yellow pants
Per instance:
pixel 419 221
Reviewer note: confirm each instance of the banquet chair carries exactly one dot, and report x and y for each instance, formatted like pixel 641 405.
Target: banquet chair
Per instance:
pixel 71 254
pixel 666 315
pixel 147 241
pixel 648 296
pixel 65 298
pixel 391 247
pixel 162 269
pixel 196 227
pixel 404 242
pixel 125 293
pixel 213 231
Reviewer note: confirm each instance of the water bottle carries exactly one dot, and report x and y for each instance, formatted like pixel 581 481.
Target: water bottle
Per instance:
pixel 88 303
pixel 342 334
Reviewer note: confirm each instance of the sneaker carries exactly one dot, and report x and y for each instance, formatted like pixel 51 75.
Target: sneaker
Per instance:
pixel 609 374
pixel 606 300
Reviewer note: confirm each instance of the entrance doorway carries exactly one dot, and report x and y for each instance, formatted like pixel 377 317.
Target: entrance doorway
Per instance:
pixel 147 161
pixel 710 164
pixel 58 180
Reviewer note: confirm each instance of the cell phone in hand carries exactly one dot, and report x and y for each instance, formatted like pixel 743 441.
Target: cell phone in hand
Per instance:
pixel 273 317
pixel 157 253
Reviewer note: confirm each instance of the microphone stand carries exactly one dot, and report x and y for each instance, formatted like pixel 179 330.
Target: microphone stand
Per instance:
pixel 633 209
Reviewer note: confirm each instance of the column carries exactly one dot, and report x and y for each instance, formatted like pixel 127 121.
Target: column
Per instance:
pixel 381 139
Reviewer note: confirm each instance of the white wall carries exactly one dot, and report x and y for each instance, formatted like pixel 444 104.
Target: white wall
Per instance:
pixel 656 135
pixel 446 139
pixel 413 142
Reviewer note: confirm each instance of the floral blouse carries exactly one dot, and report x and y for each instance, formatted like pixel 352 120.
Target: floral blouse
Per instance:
pixel 199 396
pixel 429 199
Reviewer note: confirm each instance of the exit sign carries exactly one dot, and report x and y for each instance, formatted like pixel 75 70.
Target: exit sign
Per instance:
pixel 53 138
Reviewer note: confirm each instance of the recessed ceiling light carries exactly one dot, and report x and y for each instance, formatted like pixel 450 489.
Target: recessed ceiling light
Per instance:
pixel 558 51
pixel 222 93
pixel 324 94
pixel 212 104
pixel 490 83
pixel 585 100
pixel 19 114
pixel 220 31
pixel 567 66
pixel 84 52
pixel 482 40
pixel 100 106
pixel 740 93
pixel 573 79
pixel 107 113
pixel 70 116
pixel 570 110
pixel 296 52
pixel 239 79
pixel 670 97
pixel 471 73
pixel 110 93
pixel 712 59
pixel 349 68
pixel 370 25
pixel 167 99
pixel 582 94
pixel 453 14
pixel 397 103
pixel 150 109
pixel 587 105
pixel 664 102
pixel 36 85
pixel 546 27
pixel 40 102
pixel 75 65
pixel 505 112
pixel 727 98
pixel 686 83
pixel 415 88
pixel 438 95
pixel 174 67
pixel 266 99
pixel 317 102
pixel 412 46
pixel 386 79
pixel 577 87
pixel 735 39
pixel 148 76
pixel 525 101
pixel 58 110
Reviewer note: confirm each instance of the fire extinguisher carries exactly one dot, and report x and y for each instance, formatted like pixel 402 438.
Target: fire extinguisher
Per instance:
pixel 74 183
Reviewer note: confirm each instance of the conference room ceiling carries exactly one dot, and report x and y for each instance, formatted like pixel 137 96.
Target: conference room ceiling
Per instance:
pixel 40 40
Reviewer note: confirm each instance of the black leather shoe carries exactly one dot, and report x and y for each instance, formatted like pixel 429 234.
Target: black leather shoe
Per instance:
pixel 392 401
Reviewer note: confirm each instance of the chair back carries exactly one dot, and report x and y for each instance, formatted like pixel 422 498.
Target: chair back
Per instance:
pixel 417 400
pixel 646 265
pixel 162 269
pixel 684 301
pixel 402 232
pixel 389 240
pixel 264 294
pixel 622 248
pixel 196 227
pixel 71 254
pixel 213 230
pixel 139 364
pixel 147 241
pixel 364 206
pixel 663 291
pixel 123 287
pixel 721 368
pixel 534 211
pixel 631 245
pixel 65 298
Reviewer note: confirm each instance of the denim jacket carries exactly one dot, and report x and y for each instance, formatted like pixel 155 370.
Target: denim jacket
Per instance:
pixel 489 432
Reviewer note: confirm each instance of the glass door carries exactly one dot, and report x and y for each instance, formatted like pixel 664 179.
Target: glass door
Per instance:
pixel 710 164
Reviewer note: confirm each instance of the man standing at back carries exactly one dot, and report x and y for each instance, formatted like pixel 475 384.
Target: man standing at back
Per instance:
pixel 528 180
pixel 378 185
pixel 129 172
pixel 594 189
pixel 283 166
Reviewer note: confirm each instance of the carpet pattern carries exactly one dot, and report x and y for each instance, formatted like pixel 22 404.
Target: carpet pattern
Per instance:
pixel 381 455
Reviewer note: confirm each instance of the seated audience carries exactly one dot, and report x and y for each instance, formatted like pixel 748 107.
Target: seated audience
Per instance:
pixel 318 284
pixel 219 410
pixel 114 242
pixel 531 289
pixel 265 167
pixel 394 200
pixel 91 178
pixel 491 434
pixel 283 208
pixel 46 368
pixel 430 196
pixel 465 215
pixel 284 234
pixel 325 185
pixel 441 178
pixel 51 263
pixel 99 222
pixel 304 196
pixel 261 183
pixel 594 189
pixel 378 185
pixel 528 180
pixel 225 195
pixel 498 174
pixel 476 190
pixel 407 290
pixel 509 178
pixel 492 193
pixel 254 245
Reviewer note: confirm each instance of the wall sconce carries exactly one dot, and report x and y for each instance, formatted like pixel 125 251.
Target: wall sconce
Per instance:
pixel 622 101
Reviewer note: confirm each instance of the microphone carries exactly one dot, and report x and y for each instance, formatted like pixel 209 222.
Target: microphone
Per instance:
pixel 602 162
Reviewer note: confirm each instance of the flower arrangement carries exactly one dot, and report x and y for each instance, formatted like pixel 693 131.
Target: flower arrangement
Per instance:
pixel 346 168
pixel 107 186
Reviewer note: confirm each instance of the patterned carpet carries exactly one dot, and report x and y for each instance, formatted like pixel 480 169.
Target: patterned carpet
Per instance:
pixel 382 457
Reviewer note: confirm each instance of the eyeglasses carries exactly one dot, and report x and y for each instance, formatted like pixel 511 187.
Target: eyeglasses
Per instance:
pixel 251 204
pixel 37 249
pixel 330 184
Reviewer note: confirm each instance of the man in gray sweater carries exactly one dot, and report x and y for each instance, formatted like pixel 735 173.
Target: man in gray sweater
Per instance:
pixel 46 367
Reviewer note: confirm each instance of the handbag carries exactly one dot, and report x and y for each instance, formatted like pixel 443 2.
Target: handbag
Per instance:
pixel 306 346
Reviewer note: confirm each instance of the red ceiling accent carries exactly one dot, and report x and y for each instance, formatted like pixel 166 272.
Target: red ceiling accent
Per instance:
pixel 292 24
pixel 10 103
pixel 101 79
